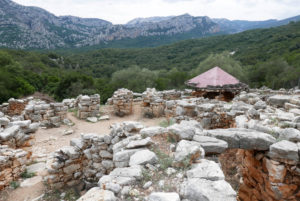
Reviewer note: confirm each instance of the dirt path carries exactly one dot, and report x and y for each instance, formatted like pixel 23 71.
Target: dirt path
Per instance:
pixel 49 140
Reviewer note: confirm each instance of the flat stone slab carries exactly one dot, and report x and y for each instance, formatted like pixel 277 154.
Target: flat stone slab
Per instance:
pixel 37 168
pixel 211 145
pixel 143 157
pixel 31 181
pixel 243 138
pixel 284 150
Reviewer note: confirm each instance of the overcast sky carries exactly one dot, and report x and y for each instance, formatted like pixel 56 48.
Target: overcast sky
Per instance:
pixel 121 11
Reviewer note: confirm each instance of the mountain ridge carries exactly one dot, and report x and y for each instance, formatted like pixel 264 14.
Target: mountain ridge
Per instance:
pixel 27 27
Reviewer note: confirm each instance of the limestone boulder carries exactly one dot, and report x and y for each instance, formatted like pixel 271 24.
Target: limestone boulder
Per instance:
pixel 243 138
pixel 188 151
pixel 162 196
pixel 211 145
pixel 186 129
pixel 284 150
pixel 202 189
pixel 279 100
pixel 98 194
pixel 206 169
pixel 152 131
pixel 143 157
pixel 290 134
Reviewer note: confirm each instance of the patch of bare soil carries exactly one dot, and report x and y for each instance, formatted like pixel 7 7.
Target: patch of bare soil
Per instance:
pixel 49 140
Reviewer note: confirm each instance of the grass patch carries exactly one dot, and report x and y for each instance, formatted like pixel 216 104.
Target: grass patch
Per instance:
pixel 164 160
pixel 167 122
pixel 14 184
pixel 26 174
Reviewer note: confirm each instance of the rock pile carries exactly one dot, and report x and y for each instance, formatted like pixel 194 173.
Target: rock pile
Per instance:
pixel 122 100
pixel 88 106
pixel 12 164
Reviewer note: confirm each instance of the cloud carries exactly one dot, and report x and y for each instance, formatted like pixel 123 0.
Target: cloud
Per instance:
pixel 121 11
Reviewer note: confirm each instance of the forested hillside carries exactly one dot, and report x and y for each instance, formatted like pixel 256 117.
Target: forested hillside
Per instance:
pixel 268 57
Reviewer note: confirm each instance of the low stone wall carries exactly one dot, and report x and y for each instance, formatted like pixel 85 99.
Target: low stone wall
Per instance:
pixel 14 106
pixel 49 115
pixel 88 158
pixel 12 164
pixel 88 106
pixel 122 100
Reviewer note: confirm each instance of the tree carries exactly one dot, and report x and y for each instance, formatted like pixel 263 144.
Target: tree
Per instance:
pixel 224 61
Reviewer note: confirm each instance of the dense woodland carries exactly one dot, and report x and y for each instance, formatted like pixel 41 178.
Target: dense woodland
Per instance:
pixel 269 57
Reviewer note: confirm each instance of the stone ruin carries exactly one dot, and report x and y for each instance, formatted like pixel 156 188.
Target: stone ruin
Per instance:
pixel 88 106
pixel 49 115
pixel 122 101
pixel 12 164
pixel 188 160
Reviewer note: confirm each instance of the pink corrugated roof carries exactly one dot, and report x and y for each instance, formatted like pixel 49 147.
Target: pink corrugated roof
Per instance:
pixel 213 77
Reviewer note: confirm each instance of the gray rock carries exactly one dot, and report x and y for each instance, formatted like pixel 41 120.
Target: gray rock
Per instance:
pixel 284 150
pixel 139 143
pixel 290 134
pixel 161 196
pixel 211 145
pixel 32 128
pixel 102 118
pixel 279 100
pixel 92 119
pixel 190 149
pixel 243 138
pixel 206 169
pixel 116 188
pixel 147 185
pixel 134 171
pixel 207 190
pixel 143 157
pixel 152 131
pixel 4 121
pixel 186 129
pixel 9 133
pixel 124 156
pixel 22 124
pixel 98 194
pixel 77 142
pixel 260 105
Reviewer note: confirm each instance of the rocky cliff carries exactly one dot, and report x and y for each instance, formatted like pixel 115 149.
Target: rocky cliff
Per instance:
pixel 31 27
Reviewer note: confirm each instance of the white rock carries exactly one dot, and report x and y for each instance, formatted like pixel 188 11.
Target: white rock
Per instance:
pixel 211 145
pixel 202 189
pixel 92 119
pixel 97 194
pixel 160 196
pixel 143 157
pixel 206 169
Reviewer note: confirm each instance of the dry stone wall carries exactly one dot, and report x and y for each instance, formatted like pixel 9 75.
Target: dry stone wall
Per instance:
pixel 12 164
pixel 122 101
pixel 49 115
pixel 89 157
pixel 88 106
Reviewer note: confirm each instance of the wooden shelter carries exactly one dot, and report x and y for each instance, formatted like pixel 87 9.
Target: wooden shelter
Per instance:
pixel 216 83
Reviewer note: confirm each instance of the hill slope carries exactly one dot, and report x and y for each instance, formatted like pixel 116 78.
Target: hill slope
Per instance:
pixel 268 57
